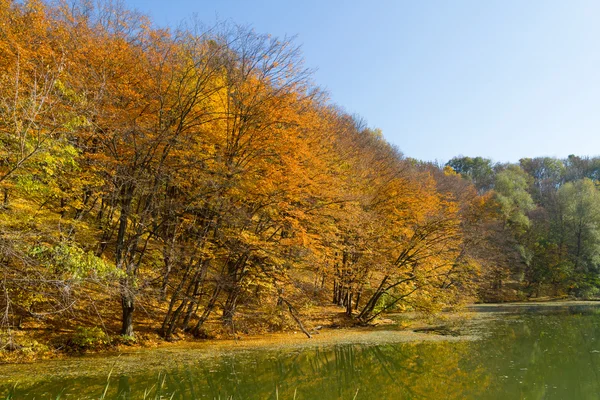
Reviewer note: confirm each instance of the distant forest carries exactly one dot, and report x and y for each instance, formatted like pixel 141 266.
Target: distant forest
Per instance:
pixel 550 233
pixel 172 178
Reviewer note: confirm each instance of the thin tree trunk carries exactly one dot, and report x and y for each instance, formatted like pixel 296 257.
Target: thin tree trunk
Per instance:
pixel 292 311
pixel 128 307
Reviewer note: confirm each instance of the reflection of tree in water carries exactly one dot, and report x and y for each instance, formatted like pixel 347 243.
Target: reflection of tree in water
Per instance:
pixel 529 356
pixel 545 356
pixel 418 371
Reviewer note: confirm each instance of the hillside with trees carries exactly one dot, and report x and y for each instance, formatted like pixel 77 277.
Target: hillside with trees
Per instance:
pixel 195 180
pixel 549 212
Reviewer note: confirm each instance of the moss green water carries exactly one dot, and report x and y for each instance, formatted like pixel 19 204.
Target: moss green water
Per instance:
pixel 535 352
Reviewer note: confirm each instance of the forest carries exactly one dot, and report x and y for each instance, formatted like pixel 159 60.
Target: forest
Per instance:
pixel 190 180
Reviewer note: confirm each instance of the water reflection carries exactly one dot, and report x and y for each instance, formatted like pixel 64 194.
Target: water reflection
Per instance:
pixel 526 355
pixel 427 371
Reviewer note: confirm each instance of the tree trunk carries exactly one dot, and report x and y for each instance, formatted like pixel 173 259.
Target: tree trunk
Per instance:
pixel 365 314
pixel 292 312
pixel 128 306
pixel 230 307
pixel 207 310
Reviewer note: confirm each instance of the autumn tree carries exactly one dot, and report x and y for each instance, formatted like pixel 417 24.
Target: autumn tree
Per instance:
pixel 43 263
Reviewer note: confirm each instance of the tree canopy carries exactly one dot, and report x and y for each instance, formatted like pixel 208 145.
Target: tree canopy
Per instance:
pixel 176 178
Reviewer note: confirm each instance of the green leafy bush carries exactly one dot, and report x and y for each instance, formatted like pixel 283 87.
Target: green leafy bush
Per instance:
pixel 89 338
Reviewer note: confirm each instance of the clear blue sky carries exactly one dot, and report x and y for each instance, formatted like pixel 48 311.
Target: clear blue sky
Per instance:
pixel 503 79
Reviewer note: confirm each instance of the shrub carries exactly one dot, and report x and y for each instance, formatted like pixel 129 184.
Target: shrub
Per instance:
pixel 89 338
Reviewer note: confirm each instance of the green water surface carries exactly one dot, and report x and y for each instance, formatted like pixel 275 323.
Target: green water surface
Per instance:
pixel 533 352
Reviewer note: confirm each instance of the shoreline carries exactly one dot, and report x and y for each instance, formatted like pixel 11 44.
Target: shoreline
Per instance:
pixel 406 327
pixel 135 359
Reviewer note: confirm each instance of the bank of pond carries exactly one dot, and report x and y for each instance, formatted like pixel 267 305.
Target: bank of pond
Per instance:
pixel 545 351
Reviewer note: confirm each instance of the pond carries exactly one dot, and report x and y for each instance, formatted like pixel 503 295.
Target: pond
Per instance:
pixel 549 351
